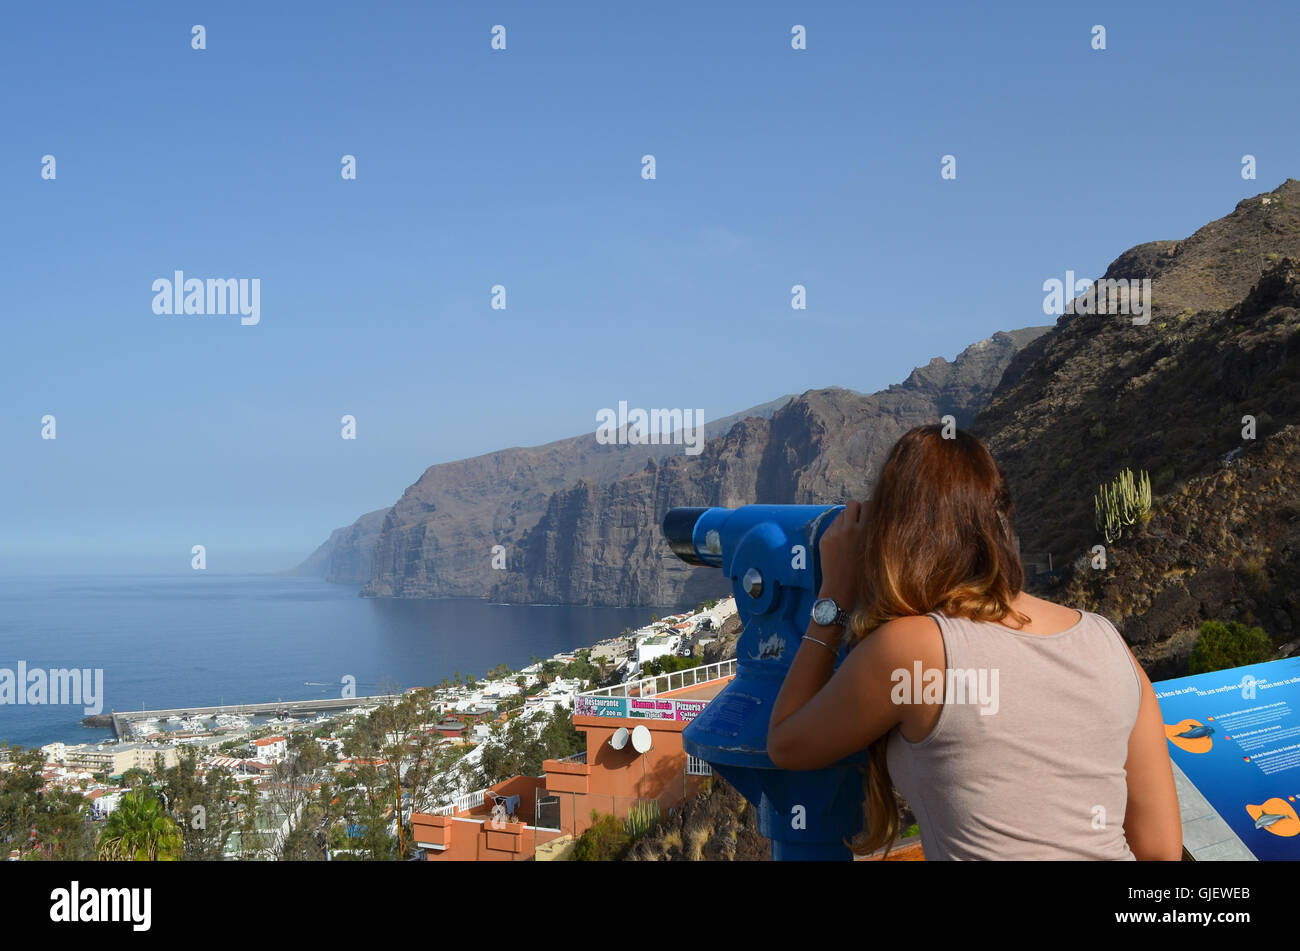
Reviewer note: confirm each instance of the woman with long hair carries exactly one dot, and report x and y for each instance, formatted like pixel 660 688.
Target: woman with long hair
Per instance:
pixel 1015 728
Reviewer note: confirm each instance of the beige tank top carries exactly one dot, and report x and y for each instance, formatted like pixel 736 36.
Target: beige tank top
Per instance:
pixel 1040 775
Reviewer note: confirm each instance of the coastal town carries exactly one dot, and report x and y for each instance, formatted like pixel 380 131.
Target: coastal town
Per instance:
pixel 330 785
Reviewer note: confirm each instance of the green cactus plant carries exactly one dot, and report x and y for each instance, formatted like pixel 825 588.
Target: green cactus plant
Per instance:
pixel 1125 501
pixel 642 817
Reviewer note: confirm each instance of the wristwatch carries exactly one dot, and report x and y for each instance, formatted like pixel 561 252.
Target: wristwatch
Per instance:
pixel 829 614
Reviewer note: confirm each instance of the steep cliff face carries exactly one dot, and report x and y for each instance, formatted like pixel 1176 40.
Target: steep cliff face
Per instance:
pixel 440 539
pixel 600 544
pixel 437 541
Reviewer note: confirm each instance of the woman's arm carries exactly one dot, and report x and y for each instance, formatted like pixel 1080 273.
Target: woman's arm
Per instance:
pixel 1152 821
pixel 818 719
pixel 812 728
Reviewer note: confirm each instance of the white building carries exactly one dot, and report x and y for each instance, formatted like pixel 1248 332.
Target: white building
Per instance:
pixel 107 802
pixel 657 646
pixel 331 744
pixel 269 749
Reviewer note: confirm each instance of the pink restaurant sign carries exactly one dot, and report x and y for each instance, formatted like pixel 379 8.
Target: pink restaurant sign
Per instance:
pixel 645 708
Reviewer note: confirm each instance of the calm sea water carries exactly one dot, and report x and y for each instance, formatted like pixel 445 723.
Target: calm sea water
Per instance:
pixel 226 639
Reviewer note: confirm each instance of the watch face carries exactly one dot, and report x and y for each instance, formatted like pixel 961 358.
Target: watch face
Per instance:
pixel 824 611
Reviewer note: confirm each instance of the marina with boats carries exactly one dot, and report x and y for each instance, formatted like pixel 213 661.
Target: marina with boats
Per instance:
pixel 177 723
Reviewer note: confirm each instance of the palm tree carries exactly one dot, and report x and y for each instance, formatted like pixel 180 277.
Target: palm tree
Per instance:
pixel 139 830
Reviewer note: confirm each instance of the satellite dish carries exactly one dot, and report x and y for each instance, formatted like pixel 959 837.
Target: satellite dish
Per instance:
pixel 640 739
pixel 619 739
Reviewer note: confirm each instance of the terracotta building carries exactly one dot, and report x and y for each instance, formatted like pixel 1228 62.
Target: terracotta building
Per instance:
pixel 634 758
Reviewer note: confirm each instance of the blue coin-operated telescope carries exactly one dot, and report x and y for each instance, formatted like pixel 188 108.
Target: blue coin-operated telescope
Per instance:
pixel 770 554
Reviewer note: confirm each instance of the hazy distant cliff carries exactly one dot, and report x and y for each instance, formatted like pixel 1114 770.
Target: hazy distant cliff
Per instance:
pixel 344 557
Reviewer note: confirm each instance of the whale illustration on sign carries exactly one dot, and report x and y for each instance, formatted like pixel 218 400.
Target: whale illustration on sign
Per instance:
pixel 1276 816
pixel 1190 735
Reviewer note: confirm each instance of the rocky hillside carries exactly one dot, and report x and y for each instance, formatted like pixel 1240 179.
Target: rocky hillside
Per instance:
pixel 1224 545
pixel 599 542
pixel 1097 394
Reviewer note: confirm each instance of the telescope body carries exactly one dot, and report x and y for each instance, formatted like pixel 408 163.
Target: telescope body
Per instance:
pixel 769 552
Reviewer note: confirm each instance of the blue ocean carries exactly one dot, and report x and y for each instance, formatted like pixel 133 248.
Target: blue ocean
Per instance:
pixel 196 640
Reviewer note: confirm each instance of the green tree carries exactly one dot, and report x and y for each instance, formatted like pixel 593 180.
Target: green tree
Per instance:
pixel 41 822
pixel 204 806
pixel 669 663
pixel 522 745
pixel 63 827
pixel 581 668
pixel 20 788
pixel 1222 646
pixel 140 830
pixel 135 776
pixel 396 744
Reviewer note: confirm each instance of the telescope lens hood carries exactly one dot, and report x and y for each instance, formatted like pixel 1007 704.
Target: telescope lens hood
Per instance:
pixel 679 529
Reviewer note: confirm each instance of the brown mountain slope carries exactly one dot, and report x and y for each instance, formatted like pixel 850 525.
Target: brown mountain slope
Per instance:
pixel 1223 545
pixel 1098 393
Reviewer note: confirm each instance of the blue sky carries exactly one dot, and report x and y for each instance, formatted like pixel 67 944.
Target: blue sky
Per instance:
pixel 523 168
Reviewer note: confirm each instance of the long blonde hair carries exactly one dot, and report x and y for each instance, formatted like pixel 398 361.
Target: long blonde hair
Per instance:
pixel 938 539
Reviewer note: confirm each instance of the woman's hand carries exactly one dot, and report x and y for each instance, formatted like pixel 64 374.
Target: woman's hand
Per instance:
pixel 841 550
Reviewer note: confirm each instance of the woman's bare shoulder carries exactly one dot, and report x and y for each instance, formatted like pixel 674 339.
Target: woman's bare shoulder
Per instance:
pixel 908 639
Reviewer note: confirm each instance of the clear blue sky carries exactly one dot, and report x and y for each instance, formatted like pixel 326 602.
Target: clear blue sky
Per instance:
pixel 522 167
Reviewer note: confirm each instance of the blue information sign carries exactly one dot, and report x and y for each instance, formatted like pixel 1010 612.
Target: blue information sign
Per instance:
pixel 1236 735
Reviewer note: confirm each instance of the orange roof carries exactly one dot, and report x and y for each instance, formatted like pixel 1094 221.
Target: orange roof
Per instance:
pixel 268 740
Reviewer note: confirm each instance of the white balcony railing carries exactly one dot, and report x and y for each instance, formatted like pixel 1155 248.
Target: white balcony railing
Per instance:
pixel 666 683
pixel 462 803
